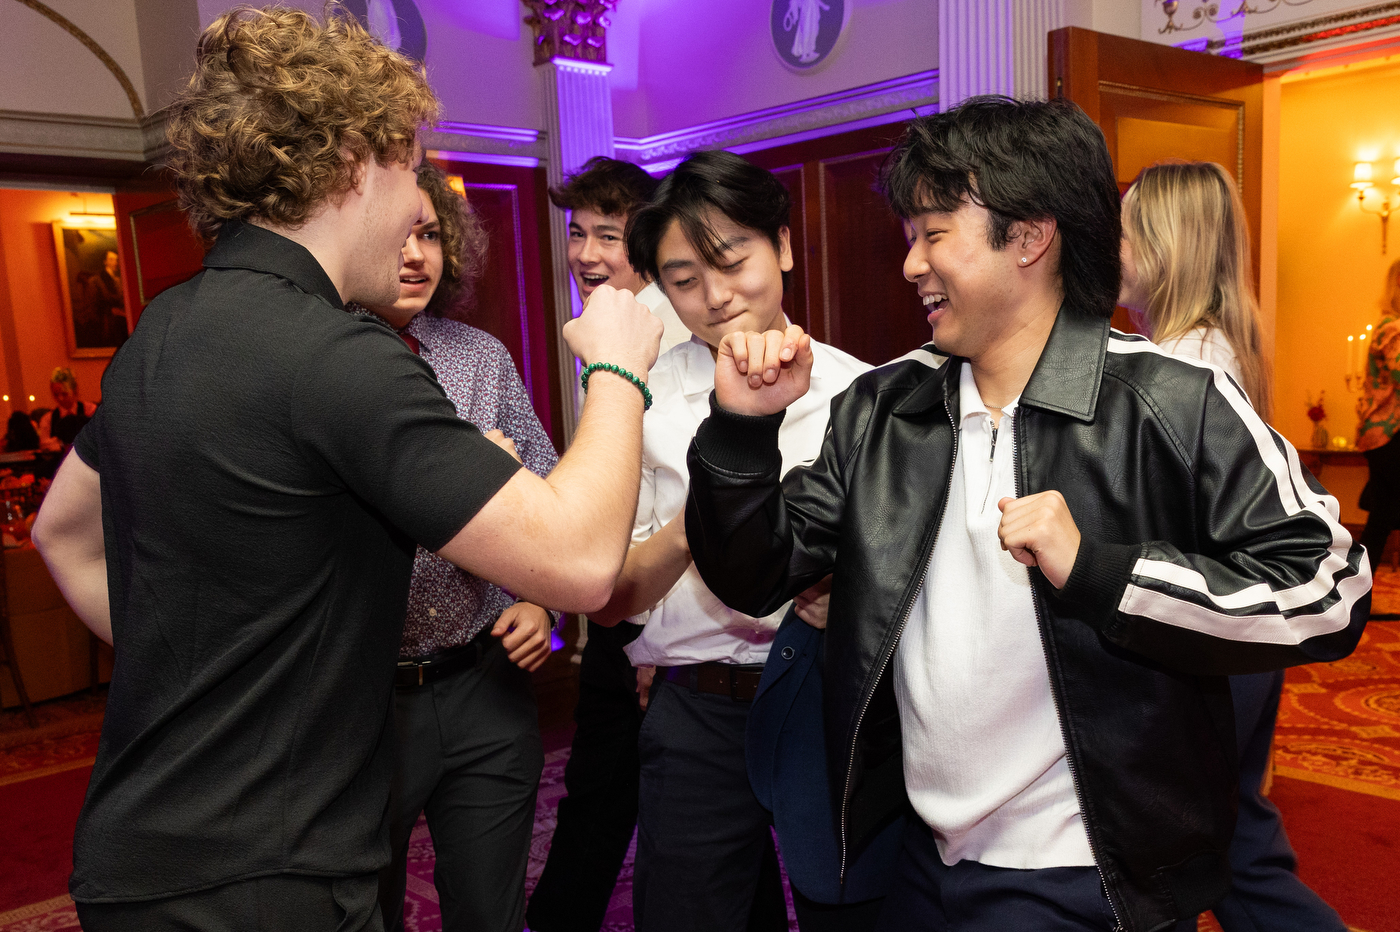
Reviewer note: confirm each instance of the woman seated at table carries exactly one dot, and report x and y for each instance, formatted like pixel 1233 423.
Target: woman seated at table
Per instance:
pixel 20 434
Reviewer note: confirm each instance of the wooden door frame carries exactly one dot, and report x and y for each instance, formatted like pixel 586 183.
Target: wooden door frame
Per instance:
pixel 1081 64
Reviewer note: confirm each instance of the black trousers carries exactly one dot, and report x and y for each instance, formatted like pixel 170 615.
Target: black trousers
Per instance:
pixel 1381 499
pixel 278 903
pixel 469 757
pixel 1265 892
pixel 705 859
pixel 599 812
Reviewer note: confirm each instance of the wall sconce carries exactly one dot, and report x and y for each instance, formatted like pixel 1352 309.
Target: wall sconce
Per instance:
pixel 1361 182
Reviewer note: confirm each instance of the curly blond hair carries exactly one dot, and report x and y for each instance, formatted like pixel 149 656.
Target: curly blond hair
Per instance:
pixel 280 111
pixel 464 244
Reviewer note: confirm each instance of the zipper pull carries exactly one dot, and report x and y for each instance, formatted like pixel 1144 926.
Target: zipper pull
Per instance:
pixel 993 457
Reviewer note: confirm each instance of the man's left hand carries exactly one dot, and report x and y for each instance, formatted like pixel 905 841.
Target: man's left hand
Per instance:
pixel 1038 530
pixel 811 605
pixel 524 632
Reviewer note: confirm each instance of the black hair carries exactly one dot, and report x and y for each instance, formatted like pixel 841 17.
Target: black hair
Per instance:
pixel 20 433
pixel 612 187
pixel 1022 160
pixel 716 180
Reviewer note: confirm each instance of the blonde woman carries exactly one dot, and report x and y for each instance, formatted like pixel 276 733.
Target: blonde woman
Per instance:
pixel 1379 411
pixel 59 427
pixel 1186 271
pixel 1186 278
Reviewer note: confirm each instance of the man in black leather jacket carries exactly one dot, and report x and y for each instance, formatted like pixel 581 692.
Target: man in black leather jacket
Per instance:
pixel 1171 538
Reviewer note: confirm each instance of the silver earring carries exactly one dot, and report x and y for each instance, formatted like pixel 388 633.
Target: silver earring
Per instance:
pixel 1023 260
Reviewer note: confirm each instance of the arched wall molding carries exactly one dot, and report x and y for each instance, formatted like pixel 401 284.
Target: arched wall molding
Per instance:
pixel 91 45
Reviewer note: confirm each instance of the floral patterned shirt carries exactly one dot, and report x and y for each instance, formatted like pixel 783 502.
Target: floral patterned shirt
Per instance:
pixel 448 606
pixel 1379 406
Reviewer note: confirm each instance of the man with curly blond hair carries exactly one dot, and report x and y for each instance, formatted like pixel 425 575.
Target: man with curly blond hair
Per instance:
pixel 240 516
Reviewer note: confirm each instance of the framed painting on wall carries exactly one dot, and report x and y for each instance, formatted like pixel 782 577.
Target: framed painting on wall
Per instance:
pixel 90 282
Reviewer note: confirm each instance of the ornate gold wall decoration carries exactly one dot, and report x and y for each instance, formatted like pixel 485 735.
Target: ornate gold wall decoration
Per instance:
pixel 576 29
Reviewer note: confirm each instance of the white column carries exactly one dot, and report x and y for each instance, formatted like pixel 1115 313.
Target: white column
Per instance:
pixel 997 46
pixel 579 125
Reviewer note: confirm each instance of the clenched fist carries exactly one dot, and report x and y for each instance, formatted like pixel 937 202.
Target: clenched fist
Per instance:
pixel 1038 530
pixel 763 373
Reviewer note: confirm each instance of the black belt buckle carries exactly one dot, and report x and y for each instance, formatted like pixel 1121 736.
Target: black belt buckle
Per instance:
pixel 431 669
pixel 748 679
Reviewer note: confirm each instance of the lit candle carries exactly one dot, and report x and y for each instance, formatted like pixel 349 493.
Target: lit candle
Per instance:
pixel 1361 360
pixel 1351 355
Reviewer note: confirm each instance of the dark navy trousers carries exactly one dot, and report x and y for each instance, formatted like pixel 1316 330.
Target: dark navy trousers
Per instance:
pixel 1265 894
pixel 929 896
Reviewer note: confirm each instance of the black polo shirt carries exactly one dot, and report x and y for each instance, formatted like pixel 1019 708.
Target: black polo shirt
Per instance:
pixel 268 462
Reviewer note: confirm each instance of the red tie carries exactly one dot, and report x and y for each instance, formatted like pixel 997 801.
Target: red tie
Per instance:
pixel 412 341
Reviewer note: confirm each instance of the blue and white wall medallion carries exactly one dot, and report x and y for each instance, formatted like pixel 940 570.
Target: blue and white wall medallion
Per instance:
pixel 805 31
pixel 396 23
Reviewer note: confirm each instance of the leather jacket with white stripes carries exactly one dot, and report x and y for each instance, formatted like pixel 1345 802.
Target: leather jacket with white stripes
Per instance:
pixel 1207 549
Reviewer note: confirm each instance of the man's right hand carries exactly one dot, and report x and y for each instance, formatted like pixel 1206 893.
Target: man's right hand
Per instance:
pixel 615 327
pixel 763 373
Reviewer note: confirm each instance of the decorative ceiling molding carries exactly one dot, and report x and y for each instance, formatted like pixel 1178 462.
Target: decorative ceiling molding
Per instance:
pixel 916 93
pixel 855 108
pixel 1367 22
pixel 111 63
pixel 575 29
pixel 509 142
pixel 1340 24
pixel 84 136
pixel 1208 11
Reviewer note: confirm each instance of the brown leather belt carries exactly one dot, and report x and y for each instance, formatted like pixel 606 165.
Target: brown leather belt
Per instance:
pixel 420 671
pixel 736 681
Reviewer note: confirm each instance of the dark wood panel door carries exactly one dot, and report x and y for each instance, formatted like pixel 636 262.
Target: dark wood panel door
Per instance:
pixel 513 296
pixel 158 247
pixel 848 286
pixel 872 312
pixel 1155 102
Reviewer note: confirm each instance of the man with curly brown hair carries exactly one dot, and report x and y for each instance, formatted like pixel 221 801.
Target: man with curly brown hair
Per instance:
pixel 239 517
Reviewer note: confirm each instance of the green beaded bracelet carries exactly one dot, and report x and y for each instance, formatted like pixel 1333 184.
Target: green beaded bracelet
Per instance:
pixel 618 370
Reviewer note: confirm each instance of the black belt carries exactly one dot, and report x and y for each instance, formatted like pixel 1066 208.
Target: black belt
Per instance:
pixel 737 681
pixel 420 671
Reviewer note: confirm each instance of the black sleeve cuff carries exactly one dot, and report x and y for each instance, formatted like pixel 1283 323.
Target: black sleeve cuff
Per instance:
pixel 744 444
pixel 1096 584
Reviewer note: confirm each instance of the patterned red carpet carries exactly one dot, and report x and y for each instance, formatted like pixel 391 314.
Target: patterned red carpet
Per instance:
pixel 1339 723
pixel 1385 593
pixel 1337 763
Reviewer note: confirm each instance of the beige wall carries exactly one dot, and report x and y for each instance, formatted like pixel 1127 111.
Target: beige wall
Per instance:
pixel 1330 266
pixel 699 62
pixel 30 308
pixel 46 70
pixel 480 57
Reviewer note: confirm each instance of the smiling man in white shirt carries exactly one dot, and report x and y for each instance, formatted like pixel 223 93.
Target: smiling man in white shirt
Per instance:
pixel 599 812
pixel 715 237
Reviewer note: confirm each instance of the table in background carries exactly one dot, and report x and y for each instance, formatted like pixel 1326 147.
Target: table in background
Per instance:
pixel 52 646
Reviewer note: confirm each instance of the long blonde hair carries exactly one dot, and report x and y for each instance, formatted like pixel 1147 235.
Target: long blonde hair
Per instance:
pixel 1390 300
pixel 1186 226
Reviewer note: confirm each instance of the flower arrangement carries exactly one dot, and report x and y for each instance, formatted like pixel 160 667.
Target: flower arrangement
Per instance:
pixel 1317 413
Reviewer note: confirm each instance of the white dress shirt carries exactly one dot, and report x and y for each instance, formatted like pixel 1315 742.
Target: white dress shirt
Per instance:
pixel 984 757
pixel 1209 345
pixel 690 625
